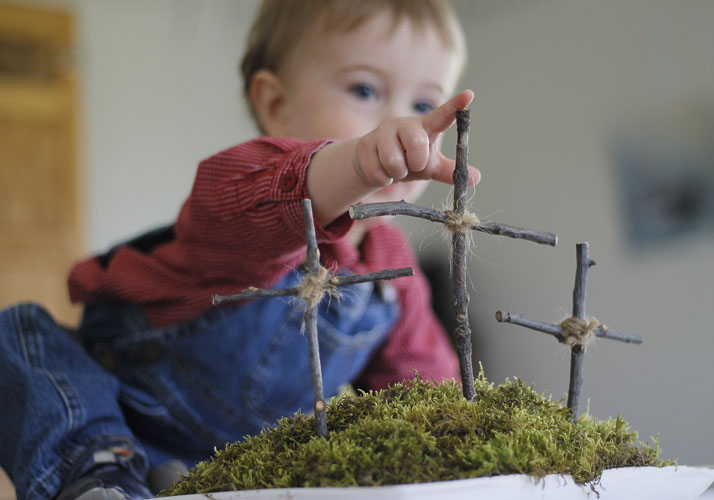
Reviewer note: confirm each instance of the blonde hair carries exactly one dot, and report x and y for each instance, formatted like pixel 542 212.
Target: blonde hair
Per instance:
pixel 280 25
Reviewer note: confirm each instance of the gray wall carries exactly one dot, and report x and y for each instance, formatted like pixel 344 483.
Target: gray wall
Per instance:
pixel 161 94
pixel 554 80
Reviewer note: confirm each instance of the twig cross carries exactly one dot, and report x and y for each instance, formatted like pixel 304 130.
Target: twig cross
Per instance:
pixel 319 282
pixel 574 331
pixel 458 224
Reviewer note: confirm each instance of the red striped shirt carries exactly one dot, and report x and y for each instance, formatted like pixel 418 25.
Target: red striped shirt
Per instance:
pixel 242 226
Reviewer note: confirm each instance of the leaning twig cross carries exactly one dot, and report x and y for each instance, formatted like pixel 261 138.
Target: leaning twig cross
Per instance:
pixel 316 283
pixel 458 221
pixel 574 331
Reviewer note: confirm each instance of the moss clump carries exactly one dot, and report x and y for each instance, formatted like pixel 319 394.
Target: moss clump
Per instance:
pixel 415 432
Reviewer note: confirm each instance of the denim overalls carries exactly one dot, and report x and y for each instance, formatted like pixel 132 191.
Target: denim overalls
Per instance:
pixel 178 391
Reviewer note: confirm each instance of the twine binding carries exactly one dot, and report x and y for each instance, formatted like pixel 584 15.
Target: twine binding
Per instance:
pixel 314 287
pixel 458 223
pixel 576 332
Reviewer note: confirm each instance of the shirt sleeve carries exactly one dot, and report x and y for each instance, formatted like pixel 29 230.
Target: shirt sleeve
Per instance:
pixel 418 342
pixel 243 220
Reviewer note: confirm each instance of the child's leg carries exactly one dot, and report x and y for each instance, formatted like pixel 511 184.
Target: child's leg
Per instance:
pixel 56 402
pixel 198 385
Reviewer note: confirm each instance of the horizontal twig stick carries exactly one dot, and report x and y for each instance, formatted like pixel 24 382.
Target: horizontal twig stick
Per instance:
pixel 347 280
pixel 368 210
pixel 379 209
pixel 606 333
pixel 533 324
pixel 555 330
pixel 255 293
pixel 517 233
pixel 387 274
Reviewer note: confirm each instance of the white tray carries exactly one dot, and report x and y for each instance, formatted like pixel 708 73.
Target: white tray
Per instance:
pixel 651 483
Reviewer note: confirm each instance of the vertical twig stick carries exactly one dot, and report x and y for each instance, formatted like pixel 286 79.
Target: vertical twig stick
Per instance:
pixel 577 352
pixel 313 266
pixel 462 330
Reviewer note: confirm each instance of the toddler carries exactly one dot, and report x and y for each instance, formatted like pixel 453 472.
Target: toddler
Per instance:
pixel 351 98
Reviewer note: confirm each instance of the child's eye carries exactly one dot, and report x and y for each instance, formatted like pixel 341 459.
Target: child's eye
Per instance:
pixel 423 107
pixel 363 91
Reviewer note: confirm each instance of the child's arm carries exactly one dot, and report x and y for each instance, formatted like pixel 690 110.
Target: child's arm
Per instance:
pixel 401 149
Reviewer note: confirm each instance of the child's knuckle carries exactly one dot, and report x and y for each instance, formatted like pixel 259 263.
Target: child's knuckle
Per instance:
pixel 394 161
pixel 375 177
pixel 419 141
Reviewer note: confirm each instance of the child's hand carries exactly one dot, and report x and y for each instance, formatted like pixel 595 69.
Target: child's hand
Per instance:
pixel 400 149
pixel 403 149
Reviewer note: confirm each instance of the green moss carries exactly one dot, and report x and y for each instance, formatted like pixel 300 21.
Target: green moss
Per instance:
pixel 416 432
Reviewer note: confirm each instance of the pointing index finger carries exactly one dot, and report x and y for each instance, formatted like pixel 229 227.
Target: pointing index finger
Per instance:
pixel 443 117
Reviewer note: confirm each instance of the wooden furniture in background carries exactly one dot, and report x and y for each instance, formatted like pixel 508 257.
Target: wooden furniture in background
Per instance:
pixel 40 232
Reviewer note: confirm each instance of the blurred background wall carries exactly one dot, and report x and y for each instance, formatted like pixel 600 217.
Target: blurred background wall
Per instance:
pixel 575 102
pixel 592 120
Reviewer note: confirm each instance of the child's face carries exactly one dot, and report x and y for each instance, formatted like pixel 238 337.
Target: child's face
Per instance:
pixel 343 85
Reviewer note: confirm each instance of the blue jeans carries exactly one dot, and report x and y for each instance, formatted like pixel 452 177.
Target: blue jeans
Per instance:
pixel 178 391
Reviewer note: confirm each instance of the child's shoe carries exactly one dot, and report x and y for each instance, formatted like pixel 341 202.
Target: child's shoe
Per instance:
pixel 106 471
pixel 162 477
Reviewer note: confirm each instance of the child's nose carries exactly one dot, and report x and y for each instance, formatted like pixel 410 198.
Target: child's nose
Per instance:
pixel 398 106
pixel 392 110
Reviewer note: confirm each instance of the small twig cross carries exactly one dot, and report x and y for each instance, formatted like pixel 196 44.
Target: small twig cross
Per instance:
pixel 458 224
pixel 575 331
pixel 319 282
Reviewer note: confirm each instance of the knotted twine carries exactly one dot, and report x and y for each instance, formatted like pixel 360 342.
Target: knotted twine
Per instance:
pixel 460 223
pixel 314 287
pixel 576 332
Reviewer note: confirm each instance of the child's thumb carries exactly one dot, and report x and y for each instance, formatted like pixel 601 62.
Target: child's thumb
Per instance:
pixel 444 171
pixel 441 118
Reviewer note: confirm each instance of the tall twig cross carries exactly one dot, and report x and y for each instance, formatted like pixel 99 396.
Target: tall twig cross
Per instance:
pixel 458 225
pixel 575 331
pixel 316 283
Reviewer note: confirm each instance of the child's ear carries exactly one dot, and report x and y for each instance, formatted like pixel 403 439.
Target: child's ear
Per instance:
pixel 267 94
